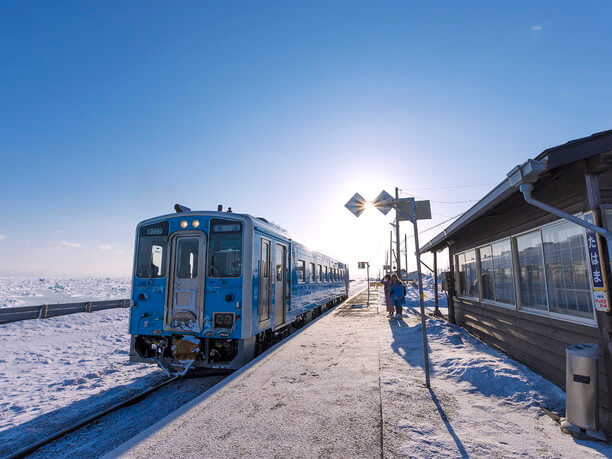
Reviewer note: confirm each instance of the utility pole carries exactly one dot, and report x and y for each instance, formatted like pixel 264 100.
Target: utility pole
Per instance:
pixel 397 238
pixel 407 209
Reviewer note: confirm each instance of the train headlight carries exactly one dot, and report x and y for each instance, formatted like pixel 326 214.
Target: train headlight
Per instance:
pixel 196 223
pixel 224 320
pixel 184 224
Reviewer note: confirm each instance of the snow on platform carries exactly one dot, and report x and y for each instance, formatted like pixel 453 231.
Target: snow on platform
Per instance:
pixel 351 384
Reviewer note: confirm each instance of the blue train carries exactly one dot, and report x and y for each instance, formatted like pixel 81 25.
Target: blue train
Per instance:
pixel 212 289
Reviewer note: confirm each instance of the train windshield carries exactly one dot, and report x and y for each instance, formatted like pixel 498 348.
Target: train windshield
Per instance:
pixel 152 251
pixel 225 248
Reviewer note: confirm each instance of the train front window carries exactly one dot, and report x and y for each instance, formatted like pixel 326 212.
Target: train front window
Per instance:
pixel 225 248
pixel 152 250
pixel 151 257
pixel 187 258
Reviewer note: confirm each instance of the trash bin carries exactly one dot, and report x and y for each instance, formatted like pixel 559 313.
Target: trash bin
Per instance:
pixel 582 385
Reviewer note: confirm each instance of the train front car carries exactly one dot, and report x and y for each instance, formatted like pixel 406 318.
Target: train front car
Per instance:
pixel 189 291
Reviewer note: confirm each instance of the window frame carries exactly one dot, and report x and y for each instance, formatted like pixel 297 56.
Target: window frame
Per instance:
pixel 466 296
pixel 209 238
pixel 312 277
pixel 513 306
pixel 517 305
pixel 301 263
pixel 548 313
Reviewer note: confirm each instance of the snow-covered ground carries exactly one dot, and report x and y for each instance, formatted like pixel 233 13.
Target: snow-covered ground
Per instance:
pixel 374 403
pixel 57 370
pixel 32 291
pixel 482 402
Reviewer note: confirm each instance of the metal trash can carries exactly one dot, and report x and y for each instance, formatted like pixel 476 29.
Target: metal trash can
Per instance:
pixel 582 385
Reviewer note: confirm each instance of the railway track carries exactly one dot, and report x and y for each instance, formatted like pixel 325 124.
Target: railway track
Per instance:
pixel 62 433
pixel 38 445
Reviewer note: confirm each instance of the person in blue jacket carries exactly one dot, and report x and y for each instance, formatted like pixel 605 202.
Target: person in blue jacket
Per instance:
pixel 398 292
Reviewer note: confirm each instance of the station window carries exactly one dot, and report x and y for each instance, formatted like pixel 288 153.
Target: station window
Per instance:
pixel 468 278
pixel 532 284
pixel 496 272
pixel 567 270
pixel 552 271
pixel 301 271
pixel 312 272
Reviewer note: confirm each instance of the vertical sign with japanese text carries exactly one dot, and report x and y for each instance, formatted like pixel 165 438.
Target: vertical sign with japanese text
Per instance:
pixel 598 272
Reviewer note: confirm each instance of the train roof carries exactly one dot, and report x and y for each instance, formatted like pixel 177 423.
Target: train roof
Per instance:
pixel 257 222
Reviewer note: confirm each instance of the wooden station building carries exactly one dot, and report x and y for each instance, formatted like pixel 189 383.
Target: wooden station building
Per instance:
pixel 529 282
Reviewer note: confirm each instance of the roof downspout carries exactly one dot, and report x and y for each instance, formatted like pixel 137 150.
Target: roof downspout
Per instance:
pixel 525 175
pixel 527 188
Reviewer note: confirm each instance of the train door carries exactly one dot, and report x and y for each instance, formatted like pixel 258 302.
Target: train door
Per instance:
pixel 185 301
pixel 280 285
pixel 264 281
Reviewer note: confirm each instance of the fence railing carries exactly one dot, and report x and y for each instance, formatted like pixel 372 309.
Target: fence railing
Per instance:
pixel 45 311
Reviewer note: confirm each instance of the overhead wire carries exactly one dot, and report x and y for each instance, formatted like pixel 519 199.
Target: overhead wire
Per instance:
pixel 452 187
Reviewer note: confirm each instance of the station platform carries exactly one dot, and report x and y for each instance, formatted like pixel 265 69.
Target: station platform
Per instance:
pixel 351 384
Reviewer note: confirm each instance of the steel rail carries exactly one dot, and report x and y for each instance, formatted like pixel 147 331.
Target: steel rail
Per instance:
pixel 62 433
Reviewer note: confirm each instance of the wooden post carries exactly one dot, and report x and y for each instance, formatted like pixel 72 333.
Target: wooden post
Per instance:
pixel 435 273
pixel 603 319
pixel 451 288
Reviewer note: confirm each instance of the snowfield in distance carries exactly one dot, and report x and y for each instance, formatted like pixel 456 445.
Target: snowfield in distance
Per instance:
pixel 34 291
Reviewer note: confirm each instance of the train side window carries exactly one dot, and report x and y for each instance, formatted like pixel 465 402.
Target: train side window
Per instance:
pixel 326 274
pixel 320 273
pixel 312 272
pixel 301 271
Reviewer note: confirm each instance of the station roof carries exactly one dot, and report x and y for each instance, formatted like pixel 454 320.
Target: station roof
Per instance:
pixel 572 151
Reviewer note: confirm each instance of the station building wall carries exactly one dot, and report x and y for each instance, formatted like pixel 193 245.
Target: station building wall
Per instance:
pixel 500 313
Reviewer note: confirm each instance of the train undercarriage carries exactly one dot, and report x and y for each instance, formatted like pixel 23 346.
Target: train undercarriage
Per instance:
pixel 179 354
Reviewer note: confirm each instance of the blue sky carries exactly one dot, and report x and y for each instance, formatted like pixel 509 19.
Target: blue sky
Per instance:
pixel 111 112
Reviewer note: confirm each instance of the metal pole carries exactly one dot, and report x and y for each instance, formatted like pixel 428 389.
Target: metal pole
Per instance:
pixel 421 296
pixel 436 309
pixel 406 251
pixel 390 251
pixel 398 255
pixel 368 277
